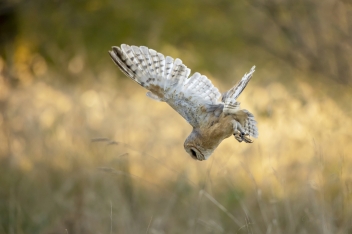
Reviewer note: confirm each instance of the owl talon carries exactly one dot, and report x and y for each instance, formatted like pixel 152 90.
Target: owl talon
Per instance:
pixel 238 136
pixel 241 136
pixel 247 139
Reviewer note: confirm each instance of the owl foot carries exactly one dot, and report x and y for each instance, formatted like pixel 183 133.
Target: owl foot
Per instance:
pixel 241 136
pixel 238 136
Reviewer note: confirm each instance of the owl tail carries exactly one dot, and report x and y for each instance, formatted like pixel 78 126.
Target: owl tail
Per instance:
pixel 229 98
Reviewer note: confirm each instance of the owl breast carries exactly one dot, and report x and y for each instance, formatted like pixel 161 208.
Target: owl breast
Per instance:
pixel 216 130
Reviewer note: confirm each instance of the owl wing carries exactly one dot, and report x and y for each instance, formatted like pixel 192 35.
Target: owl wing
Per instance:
pixel 232 106
pixel 168 80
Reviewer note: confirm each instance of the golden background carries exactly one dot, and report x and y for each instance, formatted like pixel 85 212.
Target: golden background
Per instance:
pixel 82 150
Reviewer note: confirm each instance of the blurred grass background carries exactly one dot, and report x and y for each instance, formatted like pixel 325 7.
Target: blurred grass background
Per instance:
pixel 82 150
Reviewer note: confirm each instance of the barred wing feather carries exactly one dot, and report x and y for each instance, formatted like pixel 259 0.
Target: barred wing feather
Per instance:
pixel 168 80
pixel 229 98
pixel 231 105
pixel 250 125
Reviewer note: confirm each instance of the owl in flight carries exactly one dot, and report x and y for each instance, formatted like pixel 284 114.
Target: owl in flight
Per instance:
pixel 195 98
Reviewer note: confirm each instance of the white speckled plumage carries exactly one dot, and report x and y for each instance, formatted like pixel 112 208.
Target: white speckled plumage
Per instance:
pixel 195 98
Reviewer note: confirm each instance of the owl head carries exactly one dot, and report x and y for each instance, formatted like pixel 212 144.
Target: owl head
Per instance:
pixel 194 146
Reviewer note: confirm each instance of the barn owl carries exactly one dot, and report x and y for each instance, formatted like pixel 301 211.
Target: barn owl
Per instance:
pixel 195 98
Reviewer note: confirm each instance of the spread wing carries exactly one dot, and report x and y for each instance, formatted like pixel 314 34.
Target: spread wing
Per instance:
pixel 168 80
pixel 229 98
pixel 229 105
pixel 232 106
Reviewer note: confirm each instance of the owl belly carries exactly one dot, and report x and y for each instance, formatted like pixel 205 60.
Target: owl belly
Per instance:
pixel 217 130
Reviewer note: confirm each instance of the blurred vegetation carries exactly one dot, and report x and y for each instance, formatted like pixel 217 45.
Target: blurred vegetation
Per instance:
pixel 83 151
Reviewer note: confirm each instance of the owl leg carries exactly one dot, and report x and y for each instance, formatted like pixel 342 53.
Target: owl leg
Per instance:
pixel 237 133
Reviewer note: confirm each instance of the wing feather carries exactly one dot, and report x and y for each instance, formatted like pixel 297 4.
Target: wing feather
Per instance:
pixel 232 106
pixel 168 80
pixel 250 125
pixel 229 98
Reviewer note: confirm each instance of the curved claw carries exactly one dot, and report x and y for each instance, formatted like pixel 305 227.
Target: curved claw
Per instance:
pixel 247 139
pixel 238 136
